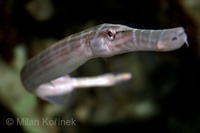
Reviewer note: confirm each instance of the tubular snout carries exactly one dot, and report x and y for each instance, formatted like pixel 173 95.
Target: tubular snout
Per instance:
pixel 172 39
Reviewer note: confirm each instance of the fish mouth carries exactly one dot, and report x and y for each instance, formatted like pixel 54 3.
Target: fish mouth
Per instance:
pixel 183 35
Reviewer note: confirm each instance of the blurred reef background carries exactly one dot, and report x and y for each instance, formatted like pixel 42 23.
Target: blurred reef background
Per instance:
pixel 163 96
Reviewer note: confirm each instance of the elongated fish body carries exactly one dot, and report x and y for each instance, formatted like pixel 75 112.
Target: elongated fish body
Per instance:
pixel 44 74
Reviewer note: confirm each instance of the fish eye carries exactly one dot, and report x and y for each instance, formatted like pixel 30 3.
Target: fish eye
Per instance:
pixel 111 34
